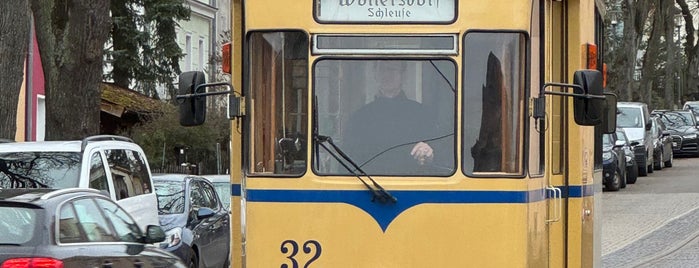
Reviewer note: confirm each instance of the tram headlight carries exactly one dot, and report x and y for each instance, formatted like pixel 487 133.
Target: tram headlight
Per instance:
pixel 173 237
pixel 607 155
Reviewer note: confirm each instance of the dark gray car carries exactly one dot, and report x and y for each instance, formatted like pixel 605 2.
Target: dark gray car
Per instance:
pixel 196 223
pixel 74 228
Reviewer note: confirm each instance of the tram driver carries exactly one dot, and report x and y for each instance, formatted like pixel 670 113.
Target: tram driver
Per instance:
pixel 389 135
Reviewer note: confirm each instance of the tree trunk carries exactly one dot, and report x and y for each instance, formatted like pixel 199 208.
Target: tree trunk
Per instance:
pixel 14 42
pixel 668 13
pixel 691 69
pixel 650 59
pixel 71 36
pixel 634 14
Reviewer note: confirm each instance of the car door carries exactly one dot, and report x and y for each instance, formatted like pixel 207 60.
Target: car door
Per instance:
pixel 127 231
pixel 85 234
pixel 219 224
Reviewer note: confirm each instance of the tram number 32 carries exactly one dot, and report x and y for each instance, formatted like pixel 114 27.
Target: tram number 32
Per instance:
pixel 291 249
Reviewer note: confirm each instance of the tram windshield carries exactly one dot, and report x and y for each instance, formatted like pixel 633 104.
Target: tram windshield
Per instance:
pixel 391 117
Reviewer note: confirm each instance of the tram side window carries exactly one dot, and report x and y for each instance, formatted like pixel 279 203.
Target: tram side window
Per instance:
pixel 493 103
pixel 278 91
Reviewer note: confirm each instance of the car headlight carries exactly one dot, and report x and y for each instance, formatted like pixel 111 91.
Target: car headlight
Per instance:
pixel 173 237
pixel 629 158
pixel 690 136
pixel 607 155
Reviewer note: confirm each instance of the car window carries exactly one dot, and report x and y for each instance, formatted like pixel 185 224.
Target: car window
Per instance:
pixel 621 136
pixel 129 173
pixel 17 224
pixel 98 176
pixel 211 195
pixel 198 196
pixel 92 221
pixel 39 169
pixel 124 226
pixel 69 229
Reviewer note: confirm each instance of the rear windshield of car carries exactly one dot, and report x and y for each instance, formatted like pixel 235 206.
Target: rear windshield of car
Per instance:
pixel 629 117
pixel 170 197
pixel 39 169
pixel 17 224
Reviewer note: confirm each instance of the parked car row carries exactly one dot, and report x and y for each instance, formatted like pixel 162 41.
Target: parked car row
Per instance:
pixel 645 142
pixel 94 202
pixel 636 149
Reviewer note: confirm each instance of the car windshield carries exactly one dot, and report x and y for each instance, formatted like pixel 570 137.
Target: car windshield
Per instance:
pixel 621 136
pixel 17 224
pixel 223 189
pixel 39 169
pixel 694 107
pixel 677 119
pixel 170 197
pixel 629 117
pixel 607 140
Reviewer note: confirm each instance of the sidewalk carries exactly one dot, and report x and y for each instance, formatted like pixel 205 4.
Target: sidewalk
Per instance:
pixel 627 218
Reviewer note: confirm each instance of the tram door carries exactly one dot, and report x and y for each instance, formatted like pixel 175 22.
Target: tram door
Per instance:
pixel 554 57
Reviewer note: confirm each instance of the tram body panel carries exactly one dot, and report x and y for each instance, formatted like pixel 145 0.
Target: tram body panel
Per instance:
pixel 425 235
pixel 471 14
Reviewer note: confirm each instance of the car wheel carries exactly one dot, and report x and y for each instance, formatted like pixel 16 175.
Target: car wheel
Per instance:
pixel 193 260
pixel 615 183
pixel 668 163
pixel 632 175
pixel 227 264
pixel 658 164
pixel 642 168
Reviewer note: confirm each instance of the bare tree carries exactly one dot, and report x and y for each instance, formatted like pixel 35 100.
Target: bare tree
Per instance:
pixel 71 36
pixel 667 9
pixel 634 16
pixel 14 30
pixel 691 68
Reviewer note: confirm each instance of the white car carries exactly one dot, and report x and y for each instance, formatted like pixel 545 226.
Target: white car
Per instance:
pixel 114 165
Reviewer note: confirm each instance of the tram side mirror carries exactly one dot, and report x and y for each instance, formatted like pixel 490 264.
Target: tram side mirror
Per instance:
pixel 609 124
pixel 192 108
pixel 588 111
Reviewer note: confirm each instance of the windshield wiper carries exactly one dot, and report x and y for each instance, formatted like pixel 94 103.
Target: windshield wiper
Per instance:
pixel 380 194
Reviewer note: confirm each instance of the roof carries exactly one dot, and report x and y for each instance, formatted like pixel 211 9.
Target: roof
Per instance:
pixel 41 146
pixel 218 178
pixel 172 177
pixel 35 195
pixel 630 104
pixel 117 100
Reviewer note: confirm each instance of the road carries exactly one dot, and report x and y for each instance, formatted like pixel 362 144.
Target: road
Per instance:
pixel 655 222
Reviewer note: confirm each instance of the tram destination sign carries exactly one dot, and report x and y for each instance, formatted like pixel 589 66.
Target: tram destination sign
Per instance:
pixel 385 11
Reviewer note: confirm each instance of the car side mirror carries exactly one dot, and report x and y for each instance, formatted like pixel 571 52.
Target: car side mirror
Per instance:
pixel 154 234
pixel 204 213
pixel 619 143
pixel 666 133
pixel 634 143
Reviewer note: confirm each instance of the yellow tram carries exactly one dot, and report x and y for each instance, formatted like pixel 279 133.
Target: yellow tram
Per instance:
pixel 413 133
